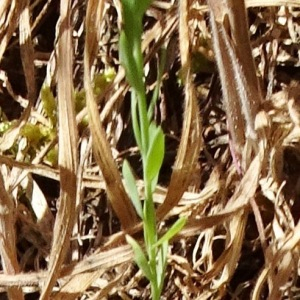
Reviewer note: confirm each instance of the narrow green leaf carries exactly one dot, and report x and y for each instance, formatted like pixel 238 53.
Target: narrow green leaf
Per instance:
pixel 142 6
pixel 127 60
pixel 134 10
pixel 130 186
pixel 140 257
pixel 135 121
pixel 161 265
pixel 139 62
pixel 130 48
pixel 155 153
pixel 154 183
pixel 150 232
pixel 130 24
pixel 175 228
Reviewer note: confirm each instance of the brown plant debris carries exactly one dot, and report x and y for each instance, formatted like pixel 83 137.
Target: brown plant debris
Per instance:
pixel 229 107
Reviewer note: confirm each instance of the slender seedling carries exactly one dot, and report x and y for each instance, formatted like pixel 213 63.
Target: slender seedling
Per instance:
pixel 152 260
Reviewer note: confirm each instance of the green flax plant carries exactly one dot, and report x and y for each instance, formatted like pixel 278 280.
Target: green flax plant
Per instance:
pixel 152 258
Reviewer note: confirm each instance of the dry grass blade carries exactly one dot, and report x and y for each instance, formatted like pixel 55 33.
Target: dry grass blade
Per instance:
pixel 17 9
pixel 241 92
pixel 8 248
pixel 3 7
pixel 239 33
pixel 8 239
pixel 27 52
pixel 116 193
pixel 238 202
pixel 255 3
pixel 241 240
pixel 190 142
pixel 280 265
pixel 77 284
pixel 27 55
pixel 235 121
pixel 227 262
pixel 67 150
pixel 104 292
pixel 93 263
pixel 265 3
pixel 9 14
pixel 236 225
pixel 242 98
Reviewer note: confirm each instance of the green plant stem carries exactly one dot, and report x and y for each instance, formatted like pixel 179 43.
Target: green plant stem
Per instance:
pixel 149 222
pixel 155 293
pixel 150 237
pixel 143 121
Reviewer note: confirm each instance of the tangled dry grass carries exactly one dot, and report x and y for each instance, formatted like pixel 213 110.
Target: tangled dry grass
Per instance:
pixel 63 223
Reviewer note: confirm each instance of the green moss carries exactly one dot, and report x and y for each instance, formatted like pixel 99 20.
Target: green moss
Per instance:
pixel 102 80
pixel 49 104
pixel 35 134
pixel 4 126
pixel 38 135
pixel 52 156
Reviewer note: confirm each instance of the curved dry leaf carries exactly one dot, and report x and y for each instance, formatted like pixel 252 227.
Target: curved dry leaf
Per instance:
pixel 191 139
pixel 114 186
pixel 27 53
pixel 67 151
pixel 282 261
pixel 8 239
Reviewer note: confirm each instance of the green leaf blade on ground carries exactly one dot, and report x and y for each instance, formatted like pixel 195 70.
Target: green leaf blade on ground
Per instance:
pixel 155 153
pixel 140 258
pixel 175 228
pixel 162 264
